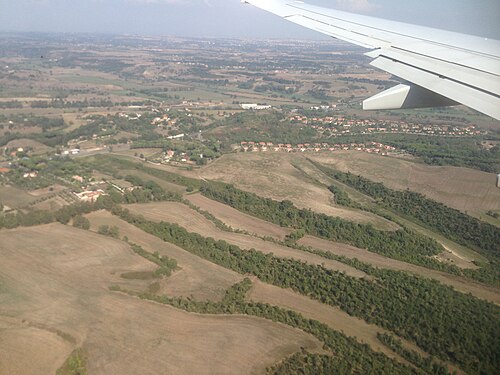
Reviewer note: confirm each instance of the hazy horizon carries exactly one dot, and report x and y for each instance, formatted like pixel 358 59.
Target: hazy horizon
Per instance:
pixel 229 18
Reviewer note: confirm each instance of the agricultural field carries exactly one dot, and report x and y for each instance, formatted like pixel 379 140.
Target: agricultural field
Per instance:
pixel 195 277
pixel 465 189
pixel 195 222
pixel 12 197
pixel 275 176
pixel 238 220
pixel 64 303
pixel 150 223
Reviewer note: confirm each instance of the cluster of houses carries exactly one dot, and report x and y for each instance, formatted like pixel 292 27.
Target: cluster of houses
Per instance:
pixel 164 120
pixel 74 151
pixel 89 196
pixel 255 106
pixel 171 154
pixel 371 147
pixel 342 125
pixel 30 175
pixel 92 192
pixel 135 116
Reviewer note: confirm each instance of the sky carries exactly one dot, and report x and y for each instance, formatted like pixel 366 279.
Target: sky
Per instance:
pixel 230 18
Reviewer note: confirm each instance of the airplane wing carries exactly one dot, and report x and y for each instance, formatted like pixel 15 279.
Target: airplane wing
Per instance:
pixel 442 67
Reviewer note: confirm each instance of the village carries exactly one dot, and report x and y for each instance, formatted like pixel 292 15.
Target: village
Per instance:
pixel 371 147
pixel 343 125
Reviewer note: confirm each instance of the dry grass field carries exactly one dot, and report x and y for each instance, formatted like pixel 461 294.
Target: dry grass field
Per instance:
pixel 14 197
pixel 461 284
pixel 461 188
pixel 37 147
pixel 196 277
pixel 194 222
pixel 55 298
pixel 273 175
pixel 238 220
pixel 147 177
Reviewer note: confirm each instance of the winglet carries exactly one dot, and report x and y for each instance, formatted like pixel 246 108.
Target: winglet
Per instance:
pixel 406 97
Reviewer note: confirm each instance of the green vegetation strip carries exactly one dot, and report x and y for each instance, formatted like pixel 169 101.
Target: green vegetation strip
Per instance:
pixel 74 365
pixel 401 244
pixel 348 353
pixel 452 223
pixel 166 264
pixel 426 364
pixel 453 326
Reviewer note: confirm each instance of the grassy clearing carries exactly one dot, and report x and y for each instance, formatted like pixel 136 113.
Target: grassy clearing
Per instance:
pixel 75 364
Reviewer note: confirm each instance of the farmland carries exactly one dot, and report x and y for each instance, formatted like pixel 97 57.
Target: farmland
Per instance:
pixel 109 326
pixel 151 223
pixel 176 213
pixel 276 177
pixel 464 189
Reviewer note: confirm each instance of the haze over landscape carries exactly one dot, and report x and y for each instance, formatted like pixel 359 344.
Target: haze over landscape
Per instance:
pixel 229 18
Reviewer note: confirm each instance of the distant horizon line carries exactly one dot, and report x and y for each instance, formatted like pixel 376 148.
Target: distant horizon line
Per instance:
pixel 172 36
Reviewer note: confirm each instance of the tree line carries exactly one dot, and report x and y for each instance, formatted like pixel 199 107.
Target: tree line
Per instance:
pixel 360 358
pixel 452 223
pixel 432 315
pixel 453 326
pixel 402 244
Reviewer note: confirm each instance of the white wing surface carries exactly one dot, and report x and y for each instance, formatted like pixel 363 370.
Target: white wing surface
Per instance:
pixel 442 68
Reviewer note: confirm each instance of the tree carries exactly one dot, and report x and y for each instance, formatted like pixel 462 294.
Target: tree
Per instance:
pixel 81 222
